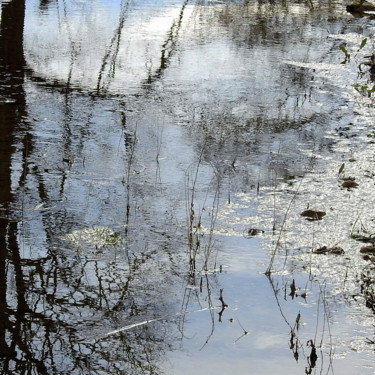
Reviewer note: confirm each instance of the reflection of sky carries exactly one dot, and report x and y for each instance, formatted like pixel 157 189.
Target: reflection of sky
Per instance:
pixel 265 349
pixel 326 319
pixel 213 72
pixel 80 38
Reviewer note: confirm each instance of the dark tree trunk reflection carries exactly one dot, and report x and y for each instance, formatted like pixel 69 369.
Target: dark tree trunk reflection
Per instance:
pixel 12 108
pixel 51 304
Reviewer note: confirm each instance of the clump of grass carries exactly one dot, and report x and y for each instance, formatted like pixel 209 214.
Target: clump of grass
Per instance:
pixel 97 236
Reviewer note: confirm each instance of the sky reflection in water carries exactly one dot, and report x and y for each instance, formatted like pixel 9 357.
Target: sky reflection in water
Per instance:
pixel 137 113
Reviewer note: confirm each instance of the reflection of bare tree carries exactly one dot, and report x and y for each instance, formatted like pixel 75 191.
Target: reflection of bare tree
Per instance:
pixel 261 34
pixel 44 5
pixel 61 307
pixel 295 343
pixel 110 55
pixel 310 346
pixel 56 307
pixel 201 296
pixel 11 65
pixel 168 48
pixel 18 317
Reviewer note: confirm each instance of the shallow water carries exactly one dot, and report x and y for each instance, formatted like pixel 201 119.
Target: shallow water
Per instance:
pixel 142 140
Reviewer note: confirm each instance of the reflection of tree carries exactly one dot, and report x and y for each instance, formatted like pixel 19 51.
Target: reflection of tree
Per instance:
pixel 168 48
pixel 295 343
pixel 271 96
pixel 44 5
pixel 82 309
pixel 11 79
pixel 56 307
pixel 200 298
pixel 110 55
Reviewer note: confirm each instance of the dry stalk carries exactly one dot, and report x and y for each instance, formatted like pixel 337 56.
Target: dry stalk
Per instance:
pixel 126 179
pixel 269 269
pixel 193 226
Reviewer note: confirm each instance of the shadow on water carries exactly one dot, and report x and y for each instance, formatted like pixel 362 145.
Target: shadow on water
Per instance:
pixel 147 150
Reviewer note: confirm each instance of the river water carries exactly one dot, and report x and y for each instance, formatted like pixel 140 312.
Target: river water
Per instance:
pixel 155 159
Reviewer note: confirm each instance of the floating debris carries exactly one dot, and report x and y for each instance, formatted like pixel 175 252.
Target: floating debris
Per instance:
pixel 254 232
pixel 349 183
pixel 367 250
pixel 313 214
pixel 329 250
pixel 361 238
pixel 367 286
pixel 96 236
pixel 370 258
pixel 360 6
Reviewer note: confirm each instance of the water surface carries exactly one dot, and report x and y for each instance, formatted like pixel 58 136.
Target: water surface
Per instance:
pixel 141 142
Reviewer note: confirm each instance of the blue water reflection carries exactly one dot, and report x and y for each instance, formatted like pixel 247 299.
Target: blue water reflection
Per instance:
pixel 142 140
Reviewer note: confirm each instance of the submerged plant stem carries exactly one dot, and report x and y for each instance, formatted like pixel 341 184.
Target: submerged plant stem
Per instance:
pixel 269 269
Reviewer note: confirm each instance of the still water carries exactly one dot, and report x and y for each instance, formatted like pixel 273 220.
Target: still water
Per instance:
pixel 155 158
